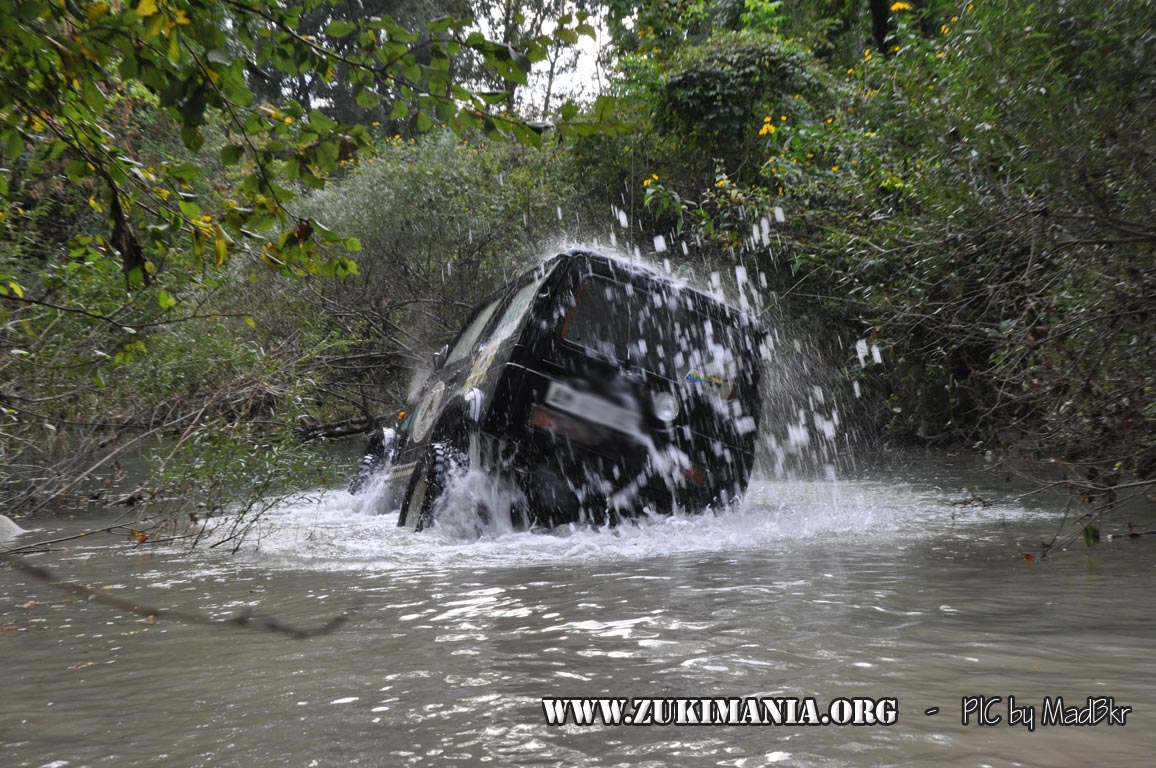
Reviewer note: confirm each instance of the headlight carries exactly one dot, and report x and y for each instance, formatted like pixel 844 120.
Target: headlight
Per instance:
pixel 666 406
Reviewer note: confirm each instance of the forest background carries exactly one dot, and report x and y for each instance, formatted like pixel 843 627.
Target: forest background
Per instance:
pixel 229 228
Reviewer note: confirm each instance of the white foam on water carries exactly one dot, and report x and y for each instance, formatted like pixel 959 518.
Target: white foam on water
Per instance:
pixel 334 531
pixel 8 529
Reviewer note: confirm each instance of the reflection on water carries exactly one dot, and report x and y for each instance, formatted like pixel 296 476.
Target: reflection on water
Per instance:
pixel 867 588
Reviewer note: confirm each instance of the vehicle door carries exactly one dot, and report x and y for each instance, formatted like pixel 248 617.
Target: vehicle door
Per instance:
pixel 425 411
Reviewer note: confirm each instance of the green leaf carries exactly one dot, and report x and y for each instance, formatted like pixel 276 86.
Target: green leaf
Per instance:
pixel 327 154
pixel 321 122
pixel 231 154
pixel 423 122
pixel 184 171
pixel 192 138
pixel 366 99
pixel 440 26
pixel 14 144
pixel 524 134
pixel 445 111
pixel 604 107
pixel 339 28
pixel 77 169
pixel 189 209
pixel 165 300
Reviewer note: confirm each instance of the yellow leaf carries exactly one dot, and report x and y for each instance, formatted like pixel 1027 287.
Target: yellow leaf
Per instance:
pixel 16 289
pixel 147 8
pixel 250 322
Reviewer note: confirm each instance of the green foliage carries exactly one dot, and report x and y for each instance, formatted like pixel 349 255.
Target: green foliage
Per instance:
pixel 144 146
pixel 1000 242
pixel 442 222
pixel 657 27
pixel 763 15
pixel 977 198
pixel 714 90
pixel 62 65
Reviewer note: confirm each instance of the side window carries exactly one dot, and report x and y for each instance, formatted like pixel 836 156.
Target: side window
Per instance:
pixel 469 337
pixel 516 309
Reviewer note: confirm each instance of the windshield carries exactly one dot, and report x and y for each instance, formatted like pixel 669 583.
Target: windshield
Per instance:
pixel 661 329
pixel 470 335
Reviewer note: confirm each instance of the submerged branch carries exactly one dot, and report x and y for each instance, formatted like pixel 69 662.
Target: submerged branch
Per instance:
pixel 243 620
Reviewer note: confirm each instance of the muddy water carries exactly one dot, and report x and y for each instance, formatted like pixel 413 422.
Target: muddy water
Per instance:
pixel 874 587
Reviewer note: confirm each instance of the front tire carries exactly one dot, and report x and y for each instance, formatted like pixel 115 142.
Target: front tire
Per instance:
pixel 427 487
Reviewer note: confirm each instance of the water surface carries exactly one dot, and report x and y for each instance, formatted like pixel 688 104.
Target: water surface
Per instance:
pixel 871 587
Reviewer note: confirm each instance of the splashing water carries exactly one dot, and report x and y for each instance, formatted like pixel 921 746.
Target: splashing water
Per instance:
pixel 333 531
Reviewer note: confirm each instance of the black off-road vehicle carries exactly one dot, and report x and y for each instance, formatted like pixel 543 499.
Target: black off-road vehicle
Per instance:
pixel 597 386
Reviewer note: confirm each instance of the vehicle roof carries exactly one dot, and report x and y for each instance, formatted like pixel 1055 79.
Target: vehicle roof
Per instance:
pixel 642 269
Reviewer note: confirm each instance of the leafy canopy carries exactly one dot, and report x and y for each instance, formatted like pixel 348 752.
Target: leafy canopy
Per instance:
pixel 65 62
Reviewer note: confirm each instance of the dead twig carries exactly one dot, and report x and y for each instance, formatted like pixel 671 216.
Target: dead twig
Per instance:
pixel 244 619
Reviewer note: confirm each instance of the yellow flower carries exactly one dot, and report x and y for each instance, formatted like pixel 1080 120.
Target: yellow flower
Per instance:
pixel 900 7
pixel 834 168
pixel 767 119
pixel 647 182
pixel 783 117
pixel 722 183
pixel 767 128
pixel 945 29
pixel 940 55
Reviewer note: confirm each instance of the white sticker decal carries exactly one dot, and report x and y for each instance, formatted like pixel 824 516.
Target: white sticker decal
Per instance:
pixel 481 365
pixel 427 411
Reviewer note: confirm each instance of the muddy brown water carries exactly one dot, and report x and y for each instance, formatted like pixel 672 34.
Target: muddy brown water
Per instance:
pixel 875 587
